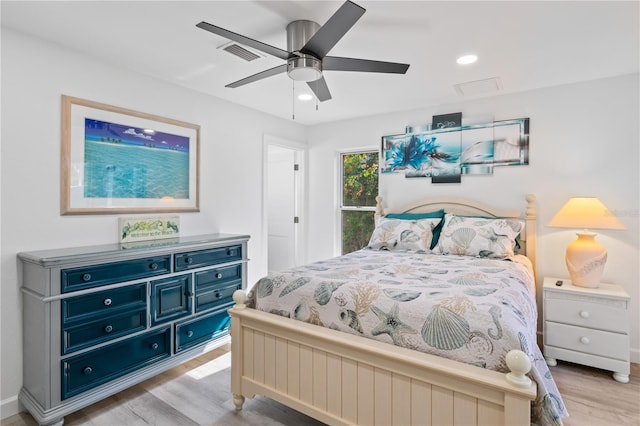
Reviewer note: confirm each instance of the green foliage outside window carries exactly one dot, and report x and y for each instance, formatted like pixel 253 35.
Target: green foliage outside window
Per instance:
pixel 359 189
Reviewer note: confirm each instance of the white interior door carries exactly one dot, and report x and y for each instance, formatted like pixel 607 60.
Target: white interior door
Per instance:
pixel 281 208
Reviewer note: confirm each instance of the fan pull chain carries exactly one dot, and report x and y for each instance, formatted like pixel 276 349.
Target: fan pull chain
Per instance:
pixel 293 99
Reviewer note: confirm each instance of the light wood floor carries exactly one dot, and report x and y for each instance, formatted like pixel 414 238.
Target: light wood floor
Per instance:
pixel 197 393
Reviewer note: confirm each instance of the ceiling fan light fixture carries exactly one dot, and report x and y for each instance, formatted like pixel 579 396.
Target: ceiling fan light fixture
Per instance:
pixel 304 68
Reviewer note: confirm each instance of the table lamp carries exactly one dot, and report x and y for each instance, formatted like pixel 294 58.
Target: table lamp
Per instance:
pixel 585 257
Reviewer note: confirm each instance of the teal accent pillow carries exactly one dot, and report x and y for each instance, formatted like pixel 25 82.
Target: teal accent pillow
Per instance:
pixel 417 216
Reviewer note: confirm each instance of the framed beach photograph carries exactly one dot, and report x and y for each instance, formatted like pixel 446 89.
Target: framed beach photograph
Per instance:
pixel 115 160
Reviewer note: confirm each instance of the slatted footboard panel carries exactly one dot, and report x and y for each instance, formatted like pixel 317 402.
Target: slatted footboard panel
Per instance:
pixel 345 379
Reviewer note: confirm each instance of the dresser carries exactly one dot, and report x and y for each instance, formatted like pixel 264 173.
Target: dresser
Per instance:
pixel 99 319
pixel 588 326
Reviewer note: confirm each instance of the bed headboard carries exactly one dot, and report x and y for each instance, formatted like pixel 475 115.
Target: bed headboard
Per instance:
pixel 465 207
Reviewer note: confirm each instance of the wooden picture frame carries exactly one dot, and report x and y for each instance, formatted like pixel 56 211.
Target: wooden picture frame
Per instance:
pixel 115 160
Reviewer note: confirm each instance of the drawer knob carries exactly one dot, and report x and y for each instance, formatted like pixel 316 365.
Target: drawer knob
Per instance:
pixel 86 277
pixel 584 340
pixel 585 314
pixel 153 266
pixel 217 295
pixel 108 329
pixel 107 302
pixel 189 333
pixel 188 260
pixel 155 346
pixel 218 275
pixel 87 370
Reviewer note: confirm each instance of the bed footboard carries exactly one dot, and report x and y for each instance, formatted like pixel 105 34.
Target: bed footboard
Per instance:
pixel 343 379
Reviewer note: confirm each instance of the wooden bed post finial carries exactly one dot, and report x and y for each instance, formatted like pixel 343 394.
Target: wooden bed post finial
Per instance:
pixel 519 364
pixel 379 208
pixel 531 206
pixel 239 296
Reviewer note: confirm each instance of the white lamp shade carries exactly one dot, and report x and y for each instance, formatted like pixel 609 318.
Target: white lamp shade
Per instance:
pixel 586 213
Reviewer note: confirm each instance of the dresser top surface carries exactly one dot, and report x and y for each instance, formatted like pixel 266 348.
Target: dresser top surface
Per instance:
pixel 603 290
pixel 72 254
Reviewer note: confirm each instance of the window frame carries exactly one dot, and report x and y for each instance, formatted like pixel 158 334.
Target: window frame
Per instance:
pixel 340 207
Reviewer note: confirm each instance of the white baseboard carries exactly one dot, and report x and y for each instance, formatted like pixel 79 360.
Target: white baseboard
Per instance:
pixel 9 407
pixel 635 355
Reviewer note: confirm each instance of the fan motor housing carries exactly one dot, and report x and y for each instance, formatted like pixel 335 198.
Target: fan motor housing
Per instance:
pixel 302 67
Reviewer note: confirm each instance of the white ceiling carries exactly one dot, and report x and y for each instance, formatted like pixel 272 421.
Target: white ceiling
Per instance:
pixel 526 45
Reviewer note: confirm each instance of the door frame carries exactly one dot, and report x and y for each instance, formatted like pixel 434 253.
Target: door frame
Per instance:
pixel 300 231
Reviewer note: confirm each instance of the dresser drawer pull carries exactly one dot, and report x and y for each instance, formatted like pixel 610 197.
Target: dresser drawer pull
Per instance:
pixel 584 340
pixel 585 314
pixel 153 266
pixel 87 370
pixel 107 302
pixel 86 277
pixel 217 295
pixel 218 275
pixel 108 329
pixel 155 346
pixel 189 333
pixel 188 260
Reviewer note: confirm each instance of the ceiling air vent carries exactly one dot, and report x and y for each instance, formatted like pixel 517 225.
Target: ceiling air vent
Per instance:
pixel 240 51
pixel 478 87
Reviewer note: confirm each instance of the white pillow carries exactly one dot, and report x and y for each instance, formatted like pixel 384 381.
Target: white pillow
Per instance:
pixel 401 234
pixel 474 236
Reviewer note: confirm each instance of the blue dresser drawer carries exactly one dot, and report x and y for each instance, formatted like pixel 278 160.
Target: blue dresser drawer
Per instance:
pixel 86 371
pixel 111 273
pixel 215 296
pixel 200 258
pixel 91 333
pixel 218 276
pixel 201 329
pixel 107 302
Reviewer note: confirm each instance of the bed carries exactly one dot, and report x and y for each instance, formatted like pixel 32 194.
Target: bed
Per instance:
pixel 434 322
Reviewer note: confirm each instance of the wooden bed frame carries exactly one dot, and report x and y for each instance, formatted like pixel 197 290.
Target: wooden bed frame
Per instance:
pixel 343 379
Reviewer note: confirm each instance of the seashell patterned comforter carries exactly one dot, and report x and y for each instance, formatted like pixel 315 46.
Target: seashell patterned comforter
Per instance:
pixel 469 309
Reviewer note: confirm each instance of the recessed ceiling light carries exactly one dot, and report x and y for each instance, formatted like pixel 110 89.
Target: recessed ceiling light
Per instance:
pixel 305 97
pixel 466 59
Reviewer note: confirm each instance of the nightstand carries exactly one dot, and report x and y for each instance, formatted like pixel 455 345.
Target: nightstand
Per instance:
pixel 588 326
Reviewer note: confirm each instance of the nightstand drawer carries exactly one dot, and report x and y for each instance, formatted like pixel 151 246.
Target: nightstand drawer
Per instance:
pixel 587 314
pixel 596 342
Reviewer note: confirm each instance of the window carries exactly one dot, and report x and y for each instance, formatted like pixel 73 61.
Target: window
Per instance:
pixel 358 188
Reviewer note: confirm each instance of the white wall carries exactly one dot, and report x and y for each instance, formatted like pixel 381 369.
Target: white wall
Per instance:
pixel 34 76
pixel 583 141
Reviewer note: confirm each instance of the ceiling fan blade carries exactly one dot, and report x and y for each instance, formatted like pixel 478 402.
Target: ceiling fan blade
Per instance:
pixel 259 76
pixel 334 63
pixel 320 89
pixel 258 45
pixel 332 31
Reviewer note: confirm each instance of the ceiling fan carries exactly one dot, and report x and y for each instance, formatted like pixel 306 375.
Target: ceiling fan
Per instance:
pixel 307 46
